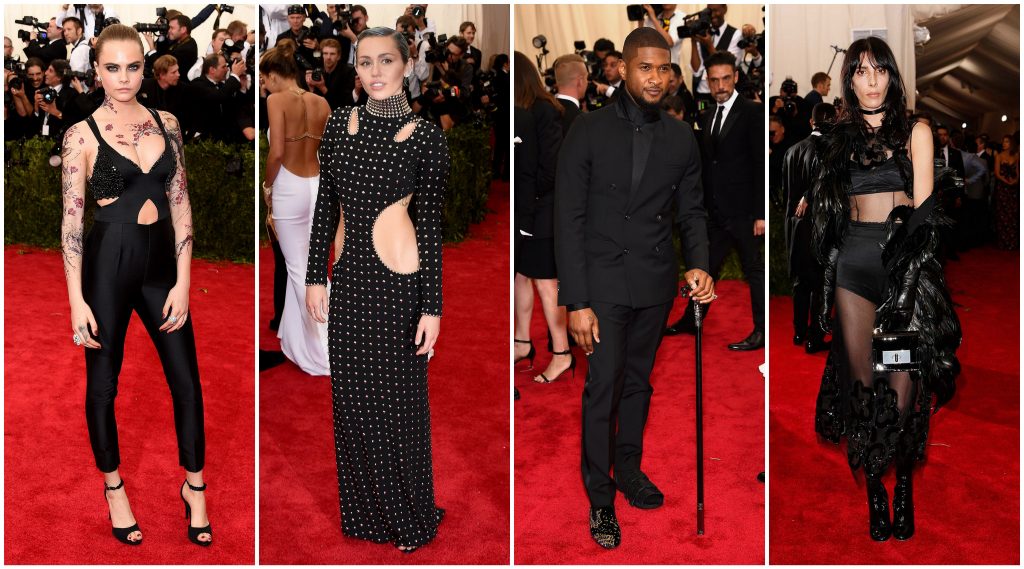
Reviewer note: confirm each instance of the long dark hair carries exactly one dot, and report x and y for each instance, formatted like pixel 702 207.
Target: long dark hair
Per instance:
pixel 895 127
pixel 528 86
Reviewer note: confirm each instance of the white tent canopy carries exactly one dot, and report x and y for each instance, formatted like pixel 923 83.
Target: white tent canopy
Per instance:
pixel 970 69
pixel 967 73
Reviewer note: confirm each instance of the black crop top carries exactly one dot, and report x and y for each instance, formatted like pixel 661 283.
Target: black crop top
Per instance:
pixel 115 176
pixel 878 178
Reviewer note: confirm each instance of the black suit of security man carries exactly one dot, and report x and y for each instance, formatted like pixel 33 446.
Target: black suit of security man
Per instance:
pixel 623 175
pixel 733 180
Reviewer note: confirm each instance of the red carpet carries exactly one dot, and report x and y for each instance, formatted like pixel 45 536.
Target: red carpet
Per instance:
pixel 299 518
pixel 550 501
pixel 54 509
pixel 966 494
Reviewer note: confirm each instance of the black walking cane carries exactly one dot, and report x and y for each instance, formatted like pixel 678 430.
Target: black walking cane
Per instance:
pixel 698 321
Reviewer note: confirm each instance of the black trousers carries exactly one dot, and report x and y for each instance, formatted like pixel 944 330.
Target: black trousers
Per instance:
pixel 617 394
pixel 128 267
pixel 723 235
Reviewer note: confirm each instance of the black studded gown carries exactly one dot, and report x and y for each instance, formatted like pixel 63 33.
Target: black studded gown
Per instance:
pixel 378 383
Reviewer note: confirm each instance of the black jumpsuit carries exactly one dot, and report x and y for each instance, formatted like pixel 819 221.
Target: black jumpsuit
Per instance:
pixel 378 383
pixel 128 266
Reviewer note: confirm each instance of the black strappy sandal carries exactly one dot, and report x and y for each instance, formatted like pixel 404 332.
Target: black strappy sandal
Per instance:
pixel 572 367
pixel 121 533
pixel 529 356
pixel 194 533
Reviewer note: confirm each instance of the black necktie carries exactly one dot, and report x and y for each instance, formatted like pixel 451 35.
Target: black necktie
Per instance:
pixel 717 128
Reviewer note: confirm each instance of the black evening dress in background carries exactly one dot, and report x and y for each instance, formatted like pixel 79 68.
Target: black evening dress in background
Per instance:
pixel 378 383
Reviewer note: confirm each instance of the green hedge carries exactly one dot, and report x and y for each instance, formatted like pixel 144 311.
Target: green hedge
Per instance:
pixel 222 207
pixel 778 269
pixel 466 199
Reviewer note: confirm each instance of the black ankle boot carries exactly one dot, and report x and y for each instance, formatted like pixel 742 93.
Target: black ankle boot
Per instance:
pixel 903 502
pixel 878 509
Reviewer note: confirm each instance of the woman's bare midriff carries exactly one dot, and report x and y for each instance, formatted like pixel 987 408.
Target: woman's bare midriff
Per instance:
pixel 394 238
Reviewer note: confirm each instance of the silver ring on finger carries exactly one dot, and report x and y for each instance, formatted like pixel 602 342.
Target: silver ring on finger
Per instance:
pixel 172 319
pixel 714 297
pixel 76 339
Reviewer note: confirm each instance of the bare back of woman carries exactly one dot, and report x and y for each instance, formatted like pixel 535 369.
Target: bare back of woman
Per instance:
pixel 305 116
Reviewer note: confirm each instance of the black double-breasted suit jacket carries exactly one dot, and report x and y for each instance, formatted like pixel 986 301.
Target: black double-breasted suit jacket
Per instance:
pixel 623 176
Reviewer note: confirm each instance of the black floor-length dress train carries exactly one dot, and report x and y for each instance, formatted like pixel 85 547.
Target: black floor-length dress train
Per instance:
pixel 378 383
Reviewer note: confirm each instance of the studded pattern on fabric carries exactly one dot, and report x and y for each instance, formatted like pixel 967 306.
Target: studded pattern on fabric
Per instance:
pixel 379 384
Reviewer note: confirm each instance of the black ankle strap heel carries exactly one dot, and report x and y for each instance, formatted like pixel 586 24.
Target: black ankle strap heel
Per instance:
pixel 194 533
pixel 529 356
pixel 572 366
pixel 121 533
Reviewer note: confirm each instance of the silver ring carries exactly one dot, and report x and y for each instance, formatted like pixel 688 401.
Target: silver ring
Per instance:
pixel 76 339
pixel 172 319
pixel 714 297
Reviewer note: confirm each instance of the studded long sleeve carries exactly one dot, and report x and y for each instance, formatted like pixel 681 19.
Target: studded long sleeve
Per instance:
pixel 432 181
pixel 328 205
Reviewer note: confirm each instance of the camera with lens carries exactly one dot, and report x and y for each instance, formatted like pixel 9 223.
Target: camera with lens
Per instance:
pixel 790 99
pixel 18 68
pixel 418 11
pixel 26 36
pixel 696 24
pixel 230 47
pixel 159 28
pixel 87 77
pixel 102 23
pixel 303 63
pixel 49 94
pixel 753 40
pixel 227 8
pixel 636 12
pixel 438 50
pixel 318 74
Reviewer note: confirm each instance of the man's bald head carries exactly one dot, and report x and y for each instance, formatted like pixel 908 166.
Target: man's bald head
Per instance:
pixel 639 38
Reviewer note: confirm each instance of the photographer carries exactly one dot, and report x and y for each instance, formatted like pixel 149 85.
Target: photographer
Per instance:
pixel 238 32
pixel 336 80
pixel 612 80
pixel 473 55
pixel 452 72
pixel 214 99
pixel 179 43
pixel 666 23
pixel 88 16
pixel 703 45
pixel 304 37
pixel 356 25
pixel 9 48
pixel 752 64
pixel 216 46
pixel 407 26
pixel 162 91
pixel 789 107
pixel 424 26
pixel 78 45
pixel 50 101
pixel 53 47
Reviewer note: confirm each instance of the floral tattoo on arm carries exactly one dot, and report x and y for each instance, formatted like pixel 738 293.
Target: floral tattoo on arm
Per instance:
pixel 177 190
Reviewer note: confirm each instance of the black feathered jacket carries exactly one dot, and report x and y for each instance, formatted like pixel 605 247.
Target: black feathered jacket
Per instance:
pixel 916 295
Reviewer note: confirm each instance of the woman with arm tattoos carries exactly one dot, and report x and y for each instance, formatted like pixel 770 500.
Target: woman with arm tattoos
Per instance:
pixel 136 257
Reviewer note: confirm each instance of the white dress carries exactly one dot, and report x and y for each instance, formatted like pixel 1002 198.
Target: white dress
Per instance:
pixel 303 340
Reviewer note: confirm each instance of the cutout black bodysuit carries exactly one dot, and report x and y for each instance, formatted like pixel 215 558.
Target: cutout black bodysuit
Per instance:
pixel 128 266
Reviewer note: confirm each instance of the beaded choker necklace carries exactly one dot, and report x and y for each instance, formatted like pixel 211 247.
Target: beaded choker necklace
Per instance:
pixel 394 106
